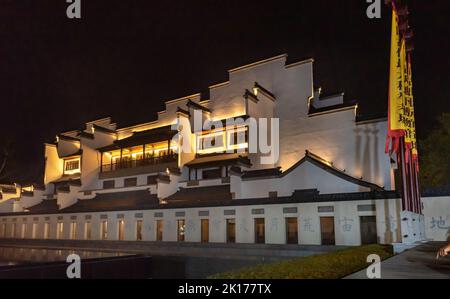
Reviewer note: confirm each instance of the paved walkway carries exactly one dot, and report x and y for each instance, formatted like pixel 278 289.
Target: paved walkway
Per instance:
pixel 417 263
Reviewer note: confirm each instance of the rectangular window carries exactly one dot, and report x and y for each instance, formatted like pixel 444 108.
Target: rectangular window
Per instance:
pixel 139 230
pixel 73 230
pixel 109 184
pixel 34 231
pixel 72 166
pixel 159 229
pixel 205 230
pixel 130 182
pixel 46 230
pixel 327 230
pixel 291 230
pixel 104 230
pixel 3 233
pixel 59 230
pixel 13 230
pixel 368 228
pixel 24 230
pixel 260 231
pixel 231 231
pixel 180 230
pixel 121 230
pixel 237 139
pixel 87 231
pixel 273 194
pixel 211 142
pixel 212 173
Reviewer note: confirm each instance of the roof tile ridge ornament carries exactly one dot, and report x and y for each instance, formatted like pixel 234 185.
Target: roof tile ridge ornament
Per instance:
pixel 182 111
pixel 258 87
pixel 103 129
pixel 83 134
pixel 191 103
pixel 251 96
pixel 79 152
pixel 67 138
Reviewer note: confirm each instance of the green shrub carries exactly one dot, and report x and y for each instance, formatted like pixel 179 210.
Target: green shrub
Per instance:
pixel 322 266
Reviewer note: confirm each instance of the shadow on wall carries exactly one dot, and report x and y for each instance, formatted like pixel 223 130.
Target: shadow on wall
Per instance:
pixel 366 156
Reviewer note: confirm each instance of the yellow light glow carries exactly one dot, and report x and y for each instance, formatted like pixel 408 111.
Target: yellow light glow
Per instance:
pixel 28 188
pixel 72 171
pixel 226 146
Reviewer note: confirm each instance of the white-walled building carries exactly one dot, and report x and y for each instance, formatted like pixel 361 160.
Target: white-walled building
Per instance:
pixel 332 183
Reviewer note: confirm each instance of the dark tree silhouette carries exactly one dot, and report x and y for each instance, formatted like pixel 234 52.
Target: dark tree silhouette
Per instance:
pixel 434 155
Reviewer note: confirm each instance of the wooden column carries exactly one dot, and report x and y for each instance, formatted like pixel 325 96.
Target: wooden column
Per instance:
pixel 101 161
pixel 143 154
pixel 168 147
pixel 404 185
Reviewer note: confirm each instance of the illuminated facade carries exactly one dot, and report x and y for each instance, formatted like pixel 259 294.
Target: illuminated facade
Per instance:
pixel 332 183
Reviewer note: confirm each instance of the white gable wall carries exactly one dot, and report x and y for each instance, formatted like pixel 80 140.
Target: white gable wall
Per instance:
pixel 305 176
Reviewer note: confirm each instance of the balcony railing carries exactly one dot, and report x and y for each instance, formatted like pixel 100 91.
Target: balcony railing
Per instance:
pixel 135 163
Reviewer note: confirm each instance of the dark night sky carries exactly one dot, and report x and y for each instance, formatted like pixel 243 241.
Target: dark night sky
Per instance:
pixel 125 58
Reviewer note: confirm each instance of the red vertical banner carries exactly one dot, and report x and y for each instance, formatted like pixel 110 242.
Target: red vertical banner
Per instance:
pixel 401 137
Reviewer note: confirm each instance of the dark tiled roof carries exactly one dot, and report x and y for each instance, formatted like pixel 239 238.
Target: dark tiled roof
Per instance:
pixel 327 95
pixel 369 117
pixel 108 148
pixel 262 173
pixel 87 135
pixel 299 196
pixel 224 121
pixel 77 153
pixel 45 207
pixel 103 129
pixel 68 179
pixel 181 110
pixel 209 199
pixel 197 106
pixel 68 138
pixel 250 95
pixel 219 159
pixel 313 110
pixel 216 194
pixel 264 90
pixel 129 200
pixel 149 136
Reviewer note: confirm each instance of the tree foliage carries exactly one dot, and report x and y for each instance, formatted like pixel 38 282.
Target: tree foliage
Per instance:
pixel 3 161
pixel 434 155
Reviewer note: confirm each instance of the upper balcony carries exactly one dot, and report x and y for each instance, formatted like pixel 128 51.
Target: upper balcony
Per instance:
pixel 143 152
pixel 126 166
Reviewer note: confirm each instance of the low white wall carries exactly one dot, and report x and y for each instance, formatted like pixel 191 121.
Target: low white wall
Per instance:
pixel 346 218
pixel 436 212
